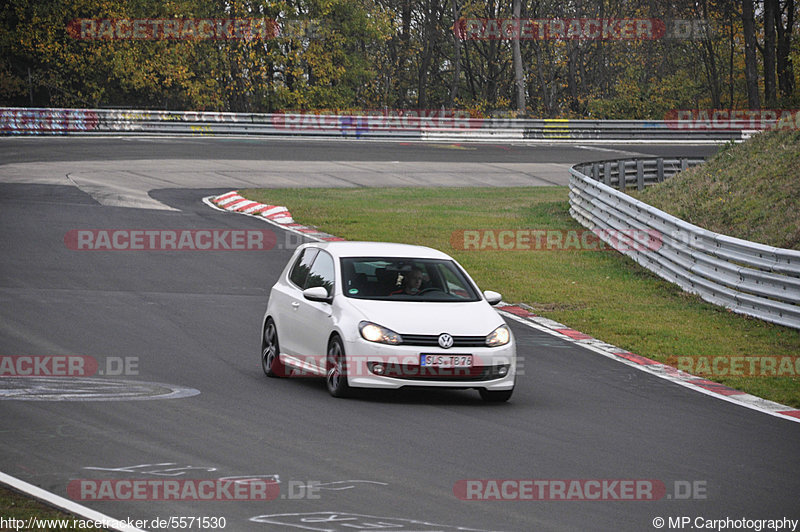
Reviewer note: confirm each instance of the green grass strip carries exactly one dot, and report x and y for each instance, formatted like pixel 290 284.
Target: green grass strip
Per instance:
pixel 19 507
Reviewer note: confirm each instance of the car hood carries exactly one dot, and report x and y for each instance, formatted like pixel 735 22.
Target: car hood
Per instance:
pixel 476 318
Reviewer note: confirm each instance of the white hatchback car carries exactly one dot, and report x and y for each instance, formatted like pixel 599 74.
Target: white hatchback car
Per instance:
pixel 380 315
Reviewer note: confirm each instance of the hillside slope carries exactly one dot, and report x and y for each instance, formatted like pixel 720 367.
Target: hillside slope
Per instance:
pixel 750 191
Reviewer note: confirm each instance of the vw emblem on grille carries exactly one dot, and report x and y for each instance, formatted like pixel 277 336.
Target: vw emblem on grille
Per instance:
pixel 445 341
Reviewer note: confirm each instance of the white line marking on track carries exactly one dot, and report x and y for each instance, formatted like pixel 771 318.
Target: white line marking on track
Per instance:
pixel 680 378
pixel 65 504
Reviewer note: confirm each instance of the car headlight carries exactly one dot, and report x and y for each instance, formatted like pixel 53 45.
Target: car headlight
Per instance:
pixel 375 333
pixel 499 336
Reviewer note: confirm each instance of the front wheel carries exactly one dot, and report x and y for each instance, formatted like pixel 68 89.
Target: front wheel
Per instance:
pixel 270 354
pixel 495 396
pixel 336 369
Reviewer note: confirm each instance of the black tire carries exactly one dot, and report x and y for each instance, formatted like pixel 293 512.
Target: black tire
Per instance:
pixel 336 369
pixel 495 396
pixel 270 353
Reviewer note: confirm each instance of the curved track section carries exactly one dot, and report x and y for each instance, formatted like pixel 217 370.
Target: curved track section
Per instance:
pixel 400 460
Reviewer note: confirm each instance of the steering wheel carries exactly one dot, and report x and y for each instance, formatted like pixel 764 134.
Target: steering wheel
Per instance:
pixel 429 289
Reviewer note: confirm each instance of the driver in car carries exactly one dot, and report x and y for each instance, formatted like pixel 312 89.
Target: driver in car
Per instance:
pixel 410 283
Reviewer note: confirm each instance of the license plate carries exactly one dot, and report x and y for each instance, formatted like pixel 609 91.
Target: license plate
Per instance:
pixel 446 361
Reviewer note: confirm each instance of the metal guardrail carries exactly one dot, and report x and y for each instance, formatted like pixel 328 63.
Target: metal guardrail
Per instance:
pixel 749 278
pixel 410 124
pixel 746 277
pixel 639 173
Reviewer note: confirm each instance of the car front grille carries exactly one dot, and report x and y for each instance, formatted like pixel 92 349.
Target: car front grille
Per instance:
pixel 432 340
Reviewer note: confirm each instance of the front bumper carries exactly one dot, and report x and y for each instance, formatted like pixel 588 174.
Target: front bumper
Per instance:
pixel 401 364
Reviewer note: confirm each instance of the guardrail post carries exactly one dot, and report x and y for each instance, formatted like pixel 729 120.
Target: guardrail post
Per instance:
pixel 684 164
pixel 640 174
pixel 596 172
pixel 660 169
pixel 607 174
pixel 621 171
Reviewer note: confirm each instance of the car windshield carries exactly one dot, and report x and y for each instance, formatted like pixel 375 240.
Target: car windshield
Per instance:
pixel 405 279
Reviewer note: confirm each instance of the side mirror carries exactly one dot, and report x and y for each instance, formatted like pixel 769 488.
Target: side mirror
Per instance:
pixel 317 293
pixel 492 298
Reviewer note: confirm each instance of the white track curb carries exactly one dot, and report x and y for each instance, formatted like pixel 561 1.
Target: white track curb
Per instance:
pixel 273 214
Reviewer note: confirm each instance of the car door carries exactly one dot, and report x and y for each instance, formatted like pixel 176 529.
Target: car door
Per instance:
pixel 288 295
pixel 314 318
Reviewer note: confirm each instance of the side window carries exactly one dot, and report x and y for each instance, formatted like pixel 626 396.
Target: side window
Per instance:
pixel 302 266
pixel 322 273
pixel 450 278
pixel 455 284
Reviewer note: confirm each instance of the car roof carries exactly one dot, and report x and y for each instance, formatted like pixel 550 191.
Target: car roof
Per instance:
pixel 379 249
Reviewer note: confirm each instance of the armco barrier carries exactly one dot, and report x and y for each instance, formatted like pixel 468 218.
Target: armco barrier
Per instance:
pixel 397 124
pixel 746 277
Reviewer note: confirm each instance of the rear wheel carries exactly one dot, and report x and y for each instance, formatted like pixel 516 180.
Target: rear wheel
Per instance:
pixel 495 396
pixel 270 355
pixel 336 369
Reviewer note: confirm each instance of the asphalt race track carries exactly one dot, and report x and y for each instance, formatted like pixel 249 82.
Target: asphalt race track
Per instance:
pixel 175 335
